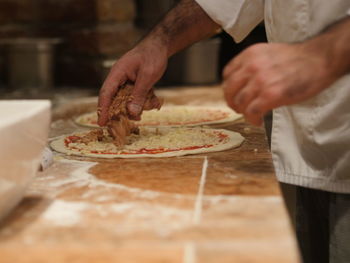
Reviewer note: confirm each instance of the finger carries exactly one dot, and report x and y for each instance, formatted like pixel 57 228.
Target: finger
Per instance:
pixel 139 94
pixel 264 103
pixel 152 101
pixel 238 62
pixel 231 67
pixel 254 112
pixel 106 94
pixel 237 81
pixel 246 95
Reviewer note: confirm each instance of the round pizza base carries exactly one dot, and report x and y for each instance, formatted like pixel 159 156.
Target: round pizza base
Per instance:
pixel 234 140
pixel 232 116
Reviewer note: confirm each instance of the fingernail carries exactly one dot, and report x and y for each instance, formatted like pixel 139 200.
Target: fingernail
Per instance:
pixel 134 109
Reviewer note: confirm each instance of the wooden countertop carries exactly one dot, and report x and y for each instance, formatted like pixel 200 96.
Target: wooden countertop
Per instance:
pixel 153 210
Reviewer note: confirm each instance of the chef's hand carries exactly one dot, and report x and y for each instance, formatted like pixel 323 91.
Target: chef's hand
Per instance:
pixel 266 76
pixel 143 65
pixel 183 25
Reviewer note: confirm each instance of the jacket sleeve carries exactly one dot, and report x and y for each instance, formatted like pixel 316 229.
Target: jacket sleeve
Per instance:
pixel 236 17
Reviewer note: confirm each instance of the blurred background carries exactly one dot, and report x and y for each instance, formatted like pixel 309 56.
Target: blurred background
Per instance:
pixel 50 47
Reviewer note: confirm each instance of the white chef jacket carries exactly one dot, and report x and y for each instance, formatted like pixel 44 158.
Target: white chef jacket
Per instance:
pixel 311 140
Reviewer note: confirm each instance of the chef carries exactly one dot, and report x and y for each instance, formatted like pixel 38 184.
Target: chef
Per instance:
pixel 302 74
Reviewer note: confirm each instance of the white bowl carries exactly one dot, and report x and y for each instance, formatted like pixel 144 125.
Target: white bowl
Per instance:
pixel 24 127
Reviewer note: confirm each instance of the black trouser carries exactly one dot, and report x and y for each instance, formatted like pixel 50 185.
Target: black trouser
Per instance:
pixel 321 220
pixel 322 224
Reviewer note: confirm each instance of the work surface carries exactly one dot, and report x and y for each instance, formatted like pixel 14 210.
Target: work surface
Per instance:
pixel 215 207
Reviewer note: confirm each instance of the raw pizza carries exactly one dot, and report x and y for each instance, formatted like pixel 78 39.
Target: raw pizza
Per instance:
pixel 151 142
pixel 174 116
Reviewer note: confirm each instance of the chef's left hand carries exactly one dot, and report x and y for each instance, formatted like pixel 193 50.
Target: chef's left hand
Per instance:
pixel 266 76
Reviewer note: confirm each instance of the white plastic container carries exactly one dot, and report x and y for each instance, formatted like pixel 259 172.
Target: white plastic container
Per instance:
pixel 24 127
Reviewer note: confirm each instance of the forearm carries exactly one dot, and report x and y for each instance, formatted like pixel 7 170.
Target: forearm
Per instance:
pixel 184 25
pixel 333 44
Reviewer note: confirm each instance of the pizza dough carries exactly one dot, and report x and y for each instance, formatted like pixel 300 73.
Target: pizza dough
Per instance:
pixel 174 116
pixel 153 142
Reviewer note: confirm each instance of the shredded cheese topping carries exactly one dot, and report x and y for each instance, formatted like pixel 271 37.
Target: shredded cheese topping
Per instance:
pixel 180 114
pixel 171 115
pixel 151 139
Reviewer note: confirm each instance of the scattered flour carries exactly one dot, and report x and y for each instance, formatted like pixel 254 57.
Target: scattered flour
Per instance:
pixel 215 199
pixel 149 210
pixel 190 253
pixel 65 214
pixel 5 185
pixel 81 177
pixel 197 213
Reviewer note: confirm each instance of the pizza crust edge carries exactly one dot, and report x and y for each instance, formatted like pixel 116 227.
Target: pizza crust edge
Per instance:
pixel 235 140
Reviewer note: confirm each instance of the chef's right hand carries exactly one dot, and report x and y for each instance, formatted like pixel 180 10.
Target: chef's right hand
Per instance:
pixel 143 65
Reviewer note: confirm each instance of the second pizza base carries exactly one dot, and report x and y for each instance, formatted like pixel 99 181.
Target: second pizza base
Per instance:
pixel 174 116
pixel 154 143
